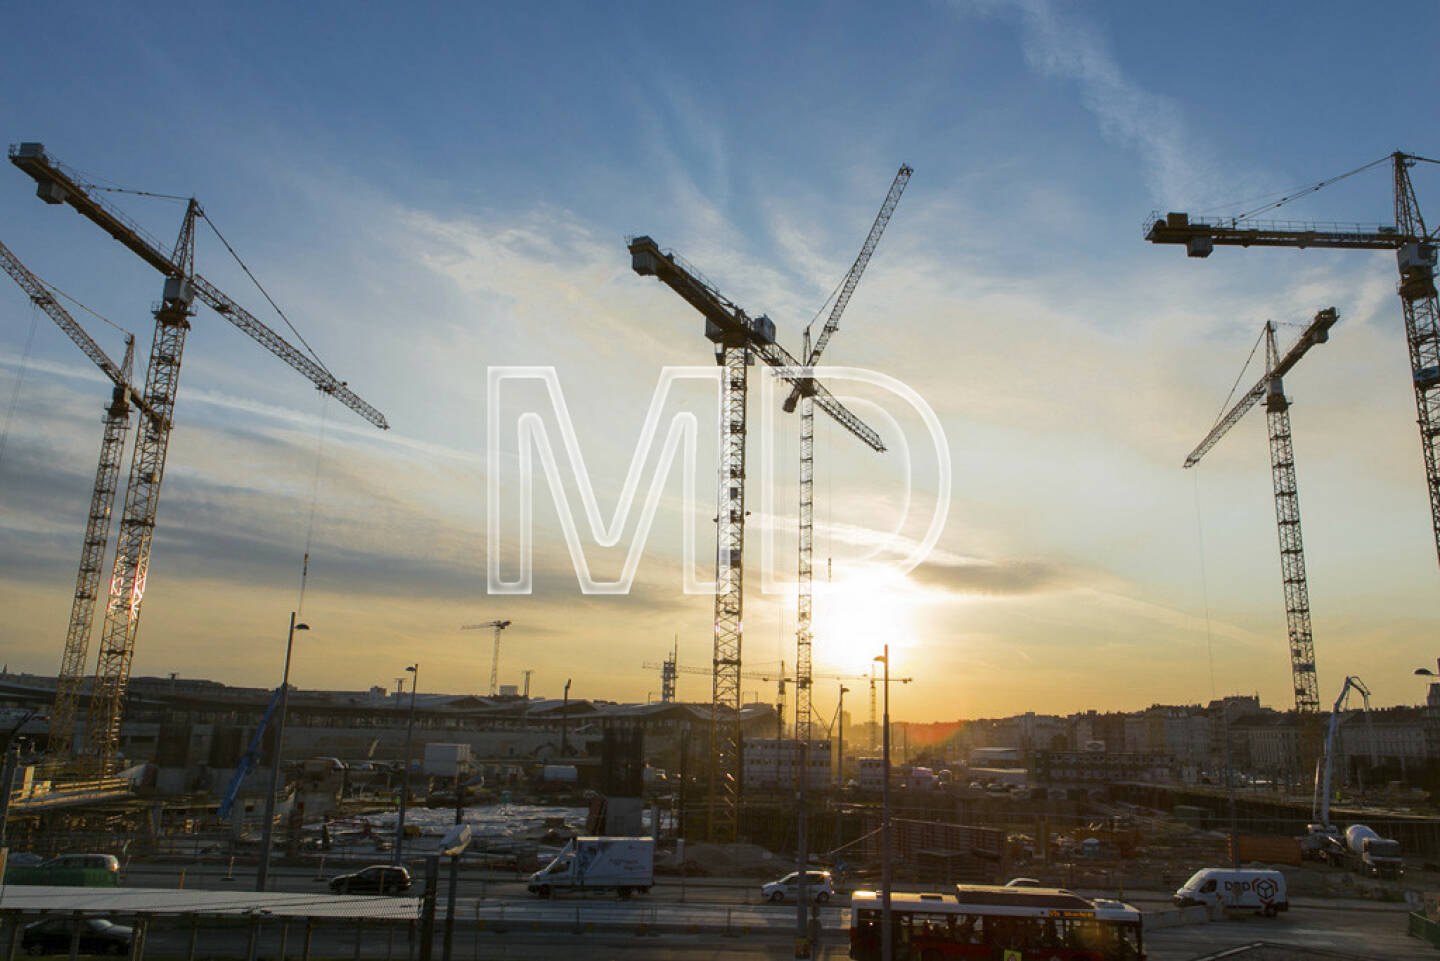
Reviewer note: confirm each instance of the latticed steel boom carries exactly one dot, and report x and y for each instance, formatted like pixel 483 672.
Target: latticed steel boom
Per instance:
pixel 1317 333
pixel 737 337
pixel 852 278
pixel 55 185
pixel 1415 254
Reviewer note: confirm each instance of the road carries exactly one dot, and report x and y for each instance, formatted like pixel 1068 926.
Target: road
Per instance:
pixel 498 920
pixel 472 883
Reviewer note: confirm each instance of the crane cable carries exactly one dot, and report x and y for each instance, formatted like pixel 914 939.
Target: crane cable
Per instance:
pixel 314 498
pixel 1205 587
pixel 19 381
pixel 1310 190
pixel 253 279
pixel 89 310
pixel 1231 396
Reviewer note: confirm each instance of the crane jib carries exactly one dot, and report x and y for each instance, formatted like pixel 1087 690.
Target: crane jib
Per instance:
pixel 55 186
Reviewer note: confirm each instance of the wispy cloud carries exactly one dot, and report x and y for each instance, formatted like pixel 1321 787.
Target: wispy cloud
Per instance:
pixel 1059 43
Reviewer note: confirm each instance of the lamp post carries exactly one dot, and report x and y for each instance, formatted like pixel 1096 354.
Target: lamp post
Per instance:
pixel 405 775
pixel 267 840
pixel 1431 716
pixel 887 947
pixel 840 766
pixel 565 719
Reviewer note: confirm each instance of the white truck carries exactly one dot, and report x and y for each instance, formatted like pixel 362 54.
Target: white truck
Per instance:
pixel 1368 853
pixel 1262 890
pixel 598 863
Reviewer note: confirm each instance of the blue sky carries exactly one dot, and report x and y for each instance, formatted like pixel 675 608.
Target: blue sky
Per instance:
pixel 429 191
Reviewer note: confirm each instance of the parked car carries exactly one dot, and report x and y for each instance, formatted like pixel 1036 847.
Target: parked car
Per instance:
pixel 24 859
pixel 97 936
pixel 93 862
pixel 818 885
pixel 376 879
pixel 1022 883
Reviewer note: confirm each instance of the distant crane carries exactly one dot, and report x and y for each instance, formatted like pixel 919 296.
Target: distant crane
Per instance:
pixel 1415 253
pixel 70 679
pixel 1271 387
pixel 875 724
pixel 667 674
pixel 56 184
pixel 780 677
pixel 497 626
pixel 737 338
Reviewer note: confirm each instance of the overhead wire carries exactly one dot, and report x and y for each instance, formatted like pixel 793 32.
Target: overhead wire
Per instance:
pixel 253 279
pixel 1271 205
pixel 19 381
pixel 1230 396
pixel 89 310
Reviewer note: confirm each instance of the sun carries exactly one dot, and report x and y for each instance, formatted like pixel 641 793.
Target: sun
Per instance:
pixel 856 616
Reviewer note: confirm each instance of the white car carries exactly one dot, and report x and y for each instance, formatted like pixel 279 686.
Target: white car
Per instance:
pixel 818 885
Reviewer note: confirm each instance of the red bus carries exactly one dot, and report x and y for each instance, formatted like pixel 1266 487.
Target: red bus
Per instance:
pixel 993 923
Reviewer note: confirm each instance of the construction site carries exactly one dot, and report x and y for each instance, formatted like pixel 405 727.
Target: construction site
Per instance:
pixel 208 819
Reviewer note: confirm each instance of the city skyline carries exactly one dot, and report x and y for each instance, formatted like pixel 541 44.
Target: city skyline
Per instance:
pixel 472 214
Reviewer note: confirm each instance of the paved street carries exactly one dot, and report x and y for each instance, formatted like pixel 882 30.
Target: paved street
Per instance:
pixel 699 920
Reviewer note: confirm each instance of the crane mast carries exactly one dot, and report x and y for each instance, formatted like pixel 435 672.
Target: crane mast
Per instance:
pixel 737 338
pixel 69 681
pixel 1301 641
pixel 137 522
pixel 1415 253
pixel 55 185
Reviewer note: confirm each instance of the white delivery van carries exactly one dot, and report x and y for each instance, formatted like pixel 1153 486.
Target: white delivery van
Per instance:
pixel 596 863
pixel 1262 891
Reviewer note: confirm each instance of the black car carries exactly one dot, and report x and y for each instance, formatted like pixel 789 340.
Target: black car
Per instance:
pixel 376 879
pixel 97 936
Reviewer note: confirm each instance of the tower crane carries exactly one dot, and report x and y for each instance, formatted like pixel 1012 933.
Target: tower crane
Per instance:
pixel 1271 387
pixel 70 679
pixel 805 541
pixel 801 394
pixel 737 337
pixel 1415 256
pixel 56 184
pixel 497 626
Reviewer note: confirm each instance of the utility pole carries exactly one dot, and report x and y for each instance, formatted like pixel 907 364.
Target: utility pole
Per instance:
pixel 405 776
pixel 565 720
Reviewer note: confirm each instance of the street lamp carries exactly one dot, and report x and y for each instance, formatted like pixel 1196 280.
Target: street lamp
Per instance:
pixel 1426 672
pixel 565 719
pixel 268 834
pixel 887 947
pixel 840 767
pixel 405 775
